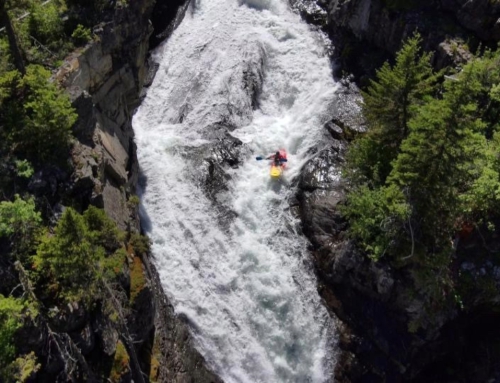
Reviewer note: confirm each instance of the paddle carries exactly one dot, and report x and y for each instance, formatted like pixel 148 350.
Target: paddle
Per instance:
pixel 260 158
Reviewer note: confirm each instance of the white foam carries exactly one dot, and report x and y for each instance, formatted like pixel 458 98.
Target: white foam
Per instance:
pixel 252 304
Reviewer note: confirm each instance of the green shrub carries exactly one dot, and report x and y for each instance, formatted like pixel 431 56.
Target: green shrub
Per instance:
pixel 83 249
pixel 37 125
pixel 46 25
pixel 24 168
pixel 81 35
pixel 140 243
pixel 10 321
pixel 20 222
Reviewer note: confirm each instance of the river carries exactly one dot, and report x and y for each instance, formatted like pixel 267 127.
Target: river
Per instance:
pixel 244 285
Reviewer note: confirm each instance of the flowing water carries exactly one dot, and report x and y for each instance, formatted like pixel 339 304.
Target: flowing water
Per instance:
pixel 245 287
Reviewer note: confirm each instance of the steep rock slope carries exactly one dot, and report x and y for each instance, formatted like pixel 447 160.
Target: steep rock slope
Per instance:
pixel 105 81
pixel 366 32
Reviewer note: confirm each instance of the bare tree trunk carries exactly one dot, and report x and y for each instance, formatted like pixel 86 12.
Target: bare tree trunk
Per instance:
pixel 17 54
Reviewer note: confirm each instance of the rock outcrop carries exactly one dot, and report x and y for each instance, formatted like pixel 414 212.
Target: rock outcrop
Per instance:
pixel 105 81
pixel 377 304
pixel 367 32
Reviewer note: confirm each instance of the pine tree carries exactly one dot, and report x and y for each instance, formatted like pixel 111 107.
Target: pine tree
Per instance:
pixel 37 126
pixel 436 160
pixel 389 103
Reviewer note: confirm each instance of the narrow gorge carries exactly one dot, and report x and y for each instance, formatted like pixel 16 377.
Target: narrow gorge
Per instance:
pixel 244 278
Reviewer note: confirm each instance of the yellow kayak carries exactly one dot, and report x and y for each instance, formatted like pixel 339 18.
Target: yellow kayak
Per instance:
pixel 276 171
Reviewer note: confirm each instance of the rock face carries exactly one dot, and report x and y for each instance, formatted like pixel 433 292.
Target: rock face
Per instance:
pixel 377 304
pixel 367 32
pixel 105 81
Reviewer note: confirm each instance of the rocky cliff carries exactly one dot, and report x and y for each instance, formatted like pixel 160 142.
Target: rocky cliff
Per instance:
pixel 105 80
pixel 377 304
pixel 367 32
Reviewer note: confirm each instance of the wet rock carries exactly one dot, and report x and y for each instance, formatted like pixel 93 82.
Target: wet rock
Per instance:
pixel 313 11
pixel 180 362
pixel 166 16
pixel 347 120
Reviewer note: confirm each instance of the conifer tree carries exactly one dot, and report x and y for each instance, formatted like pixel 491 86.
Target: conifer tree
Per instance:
pixel 436 160
pixel 389 103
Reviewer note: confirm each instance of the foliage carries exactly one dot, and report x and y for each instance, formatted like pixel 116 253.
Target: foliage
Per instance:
pixel 137 278
pixel 442 156
pixel 8 84
pixel 24 367
pixel 428 167
pixel 112 266
pixel 39 128
pixel 12 312
pixel 69 257
pixel 24 168
pixel 377 218
pixel 102 230
pixel 20 222
pixel 45 24
pixel 81 35
pixel 389 103
pixel 82 249
pixel 4 55
pixel 133 201
pixel 120 363
pixel 140 243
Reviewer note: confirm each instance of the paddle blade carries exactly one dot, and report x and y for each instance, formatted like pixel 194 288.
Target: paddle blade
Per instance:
pixel 283 160
pixel 259 158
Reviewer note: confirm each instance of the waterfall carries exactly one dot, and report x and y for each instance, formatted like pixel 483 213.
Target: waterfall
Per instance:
pixel 255 69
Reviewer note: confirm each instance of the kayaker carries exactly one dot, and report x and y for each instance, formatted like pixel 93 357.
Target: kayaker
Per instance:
pixel 277 158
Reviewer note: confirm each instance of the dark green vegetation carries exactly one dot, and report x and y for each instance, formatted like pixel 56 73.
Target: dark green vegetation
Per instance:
pixel 77 259
pixel 427 172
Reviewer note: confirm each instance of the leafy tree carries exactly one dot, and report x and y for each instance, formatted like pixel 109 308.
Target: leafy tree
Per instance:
pixel 81 35
pixel 102 230
pixel 45 24
pixel 20 222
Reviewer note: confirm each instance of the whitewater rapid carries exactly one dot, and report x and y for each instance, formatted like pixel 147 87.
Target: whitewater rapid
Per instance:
pixel 244 288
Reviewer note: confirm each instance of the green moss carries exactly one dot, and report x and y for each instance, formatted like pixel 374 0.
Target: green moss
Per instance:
pixel 120 363
pixel 133 201
pixel 155 362
pixel 137 279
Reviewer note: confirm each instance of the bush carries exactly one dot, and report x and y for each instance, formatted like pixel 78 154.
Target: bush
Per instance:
pixel 378 219
pixel 10 321
pixel 81 35
pixel 37 124
pixel 45 24
pixel 20 222
pixel 140 243
pixel 82 250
